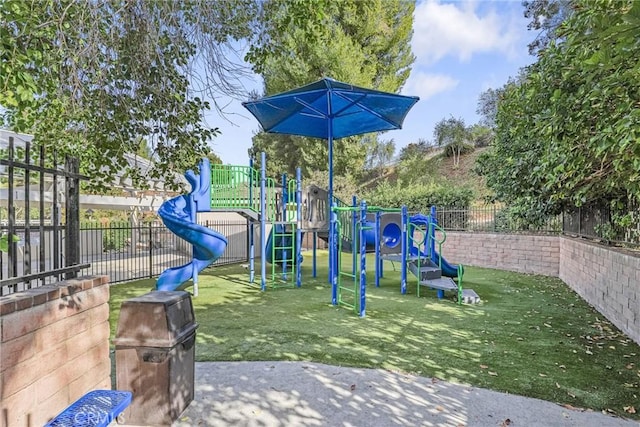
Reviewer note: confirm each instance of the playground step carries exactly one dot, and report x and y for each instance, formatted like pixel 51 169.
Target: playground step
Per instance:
pixel 426 272
pixel 444 283
pixel 469 296
pixel 391 257
pixel 246 213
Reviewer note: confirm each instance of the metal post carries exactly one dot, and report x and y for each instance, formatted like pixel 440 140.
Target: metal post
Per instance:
pixel 403 251
pixel 263 222
pixel 377 249
pixel 299 225
pixel 432 242
pixel 363 259
pixel 72 215
pixel 283 236
pixel 333 276
pixel 354 232
pixel 193 213
pixel 252 254
pixel 314 245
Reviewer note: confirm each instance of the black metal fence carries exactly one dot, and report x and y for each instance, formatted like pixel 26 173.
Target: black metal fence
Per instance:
pixel 121 250
pixel 597 222
pixel 492 219
pixel 32 180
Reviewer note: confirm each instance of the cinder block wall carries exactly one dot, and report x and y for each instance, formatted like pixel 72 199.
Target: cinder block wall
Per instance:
pixel 54 347
pixel 608 279
pixel 523 253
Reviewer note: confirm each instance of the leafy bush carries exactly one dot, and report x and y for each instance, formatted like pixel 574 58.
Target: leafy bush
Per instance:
pixel 419 198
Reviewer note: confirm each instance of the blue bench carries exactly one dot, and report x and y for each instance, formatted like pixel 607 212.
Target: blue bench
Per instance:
pixel 98 408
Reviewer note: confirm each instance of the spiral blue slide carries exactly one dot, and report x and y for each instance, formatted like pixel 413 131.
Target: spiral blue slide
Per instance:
pixel 178 215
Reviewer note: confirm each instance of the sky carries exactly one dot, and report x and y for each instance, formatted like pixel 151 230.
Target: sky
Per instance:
pixel 462 49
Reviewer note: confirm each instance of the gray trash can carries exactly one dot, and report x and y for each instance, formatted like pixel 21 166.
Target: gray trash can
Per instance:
pixel 155 355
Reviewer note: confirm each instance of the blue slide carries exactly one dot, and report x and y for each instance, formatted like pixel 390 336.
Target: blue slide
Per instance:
pixel 178 214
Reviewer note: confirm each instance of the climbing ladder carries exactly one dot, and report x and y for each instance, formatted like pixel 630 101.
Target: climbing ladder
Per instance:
pixel 351 286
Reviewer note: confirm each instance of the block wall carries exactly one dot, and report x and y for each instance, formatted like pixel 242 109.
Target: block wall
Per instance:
pixel 523 253
pixel 54 347
pixel 608 279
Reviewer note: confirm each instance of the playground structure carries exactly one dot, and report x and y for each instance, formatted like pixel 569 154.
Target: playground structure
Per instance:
pixel 291 212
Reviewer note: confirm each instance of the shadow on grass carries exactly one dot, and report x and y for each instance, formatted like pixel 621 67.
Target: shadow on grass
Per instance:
pixel 530 336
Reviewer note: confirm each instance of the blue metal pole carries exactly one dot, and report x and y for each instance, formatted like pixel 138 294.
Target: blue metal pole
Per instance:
pixel 363 259
pixel 193 216
pixel 434 221
pixel 283 236
pixel 252 248
pixel 333 247
pixel 263 221
pixel 354 234
pixel 298 225
pixel 252 254
pixel 251 183
pixel 314 271
pixel 333 274
pixel 403 249
pixel 377 249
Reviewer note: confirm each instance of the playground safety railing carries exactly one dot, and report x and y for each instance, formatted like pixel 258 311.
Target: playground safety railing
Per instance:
pixel 238 188
pixel 432 235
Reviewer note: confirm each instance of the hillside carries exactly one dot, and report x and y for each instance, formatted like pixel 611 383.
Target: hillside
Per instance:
pixel 440 169
pixel 463 175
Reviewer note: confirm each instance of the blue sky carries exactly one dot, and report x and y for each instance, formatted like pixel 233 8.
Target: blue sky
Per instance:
pixel 462 49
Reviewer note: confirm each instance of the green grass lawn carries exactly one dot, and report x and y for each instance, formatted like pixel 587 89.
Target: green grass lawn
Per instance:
pixel 531 335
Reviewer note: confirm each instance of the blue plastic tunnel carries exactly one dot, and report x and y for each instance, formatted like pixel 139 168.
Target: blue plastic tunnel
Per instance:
pixel 391 235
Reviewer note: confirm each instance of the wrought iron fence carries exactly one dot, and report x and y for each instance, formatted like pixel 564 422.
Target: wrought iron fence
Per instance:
pixel 37 183
pixel 492 219
pixel 596 222
pixel 125 252
pixel 119 250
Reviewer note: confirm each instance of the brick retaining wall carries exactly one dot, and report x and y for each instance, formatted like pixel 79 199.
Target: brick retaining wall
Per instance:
pixel 608 279
pixel 54 347
pixel 523 253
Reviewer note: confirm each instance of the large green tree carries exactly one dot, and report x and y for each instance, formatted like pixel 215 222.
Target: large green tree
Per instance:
pixel 94 78
pixel 568 133
pixel 364 43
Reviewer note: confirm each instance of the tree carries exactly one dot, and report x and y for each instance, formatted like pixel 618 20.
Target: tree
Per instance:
pixel 480 135
pixel 488 106
pixel 94 78
pixel 379 153
pixel 453 135
pixel 364 43
pixel 546 17
pixel 568 133
pixel 416 149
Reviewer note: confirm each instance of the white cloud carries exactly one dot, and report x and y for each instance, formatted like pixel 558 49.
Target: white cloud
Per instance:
pixel 460 30
pixel 426 85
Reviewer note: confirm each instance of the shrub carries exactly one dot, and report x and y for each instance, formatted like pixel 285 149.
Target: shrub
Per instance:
pixel 419 198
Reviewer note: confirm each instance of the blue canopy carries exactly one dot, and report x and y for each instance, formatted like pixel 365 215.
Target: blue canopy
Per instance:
pixel 330 109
